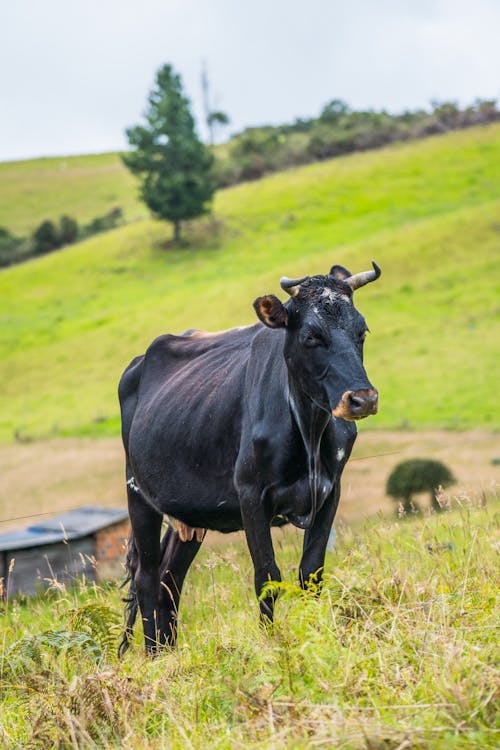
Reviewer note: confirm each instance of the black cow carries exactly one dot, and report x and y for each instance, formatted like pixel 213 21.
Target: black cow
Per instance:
pixel 242 429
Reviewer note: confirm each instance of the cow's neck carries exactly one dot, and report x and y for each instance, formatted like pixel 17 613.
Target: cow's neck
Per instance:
pixel 310 419
pixel 311 422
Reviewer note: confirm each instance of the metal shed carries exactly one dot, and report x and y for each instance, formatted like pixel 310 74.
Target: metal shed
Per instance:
pixel 83 541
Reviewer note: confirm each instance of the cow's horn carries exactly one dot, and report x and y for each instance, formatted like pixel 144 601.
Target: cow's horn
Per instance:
pixel 292 286
pixel 360 279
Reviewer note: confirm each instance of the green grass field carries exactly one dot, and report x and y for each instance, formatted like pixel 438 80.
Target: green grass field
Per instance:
pixel 398 652
pixel 428 212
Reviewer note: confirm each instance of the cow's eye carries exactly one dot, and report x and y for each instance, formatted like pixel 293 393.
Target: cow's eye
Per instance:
pixel 313 339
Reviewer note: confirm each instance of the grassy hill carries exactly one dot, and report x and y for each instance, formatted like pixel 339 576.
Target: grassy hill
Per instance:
pixel 82 186
pixel 398 652
pixel 428 212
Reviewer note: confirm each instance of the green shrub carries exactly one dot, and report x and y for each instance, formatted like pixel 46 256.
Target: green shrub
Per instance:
pixel 12 249
pixel 418 475
pixel 46 238
pixel 102 223
pixel 68 230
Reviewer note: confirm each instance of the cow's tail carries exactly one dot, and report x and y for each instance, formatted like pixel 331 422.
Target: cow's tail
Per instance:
pixel 131 603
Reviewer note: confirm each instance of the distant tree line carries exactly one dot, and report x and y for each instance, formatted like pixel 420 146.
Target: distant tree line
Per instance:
pixel 49 236
pixel 178 174
pixel 338 130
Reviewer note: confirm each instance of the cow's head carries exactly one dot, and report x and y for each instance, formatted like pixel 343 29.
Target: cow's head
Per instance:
pixel 324 339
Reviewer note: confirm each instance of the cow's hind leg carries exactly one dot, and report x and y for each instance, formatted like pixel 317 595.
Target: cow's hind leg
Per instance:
pixel 146 529
pixel 176 559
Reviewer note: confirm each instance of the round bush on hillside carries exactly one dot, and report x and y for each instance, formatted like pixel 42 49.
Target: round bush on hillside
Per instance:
pixel 46 237
pixel 418 475
pixel 68 230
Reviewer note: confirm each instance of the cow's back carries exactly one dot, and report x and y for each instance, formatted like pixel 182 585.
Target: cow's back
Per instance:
pixel 128 390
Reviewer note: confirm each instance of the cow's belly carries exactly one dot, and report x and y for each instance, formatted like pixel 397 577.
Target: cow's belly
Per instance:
pixel 217 510
pixel 198 496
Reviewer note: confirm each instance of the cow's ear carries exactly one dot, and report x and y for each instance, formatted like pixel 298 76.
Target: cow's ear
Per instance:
pixel 339 272
pixel 271 311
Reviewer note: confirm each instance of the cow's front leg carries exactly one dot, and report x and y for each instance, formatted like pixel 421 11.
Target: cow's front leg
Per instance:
pixel 257 527
pixel 316 540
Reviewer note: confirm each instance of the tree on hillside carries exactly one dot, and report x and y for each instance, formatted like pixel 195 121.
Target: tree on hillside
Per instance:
pixel 334 111
pixel 174 165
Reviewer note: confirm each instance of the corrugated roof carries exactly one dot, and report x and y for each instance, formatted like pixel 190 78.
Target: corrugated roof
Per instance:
pixel 76 524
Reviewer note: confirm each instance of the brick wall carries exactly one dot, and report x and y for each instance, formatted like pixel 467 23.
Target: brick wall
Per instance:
pixel 111 547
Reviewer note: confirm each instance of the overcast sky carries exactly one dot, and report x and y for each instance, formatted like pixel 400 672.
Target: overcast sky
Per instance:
pixel 75 73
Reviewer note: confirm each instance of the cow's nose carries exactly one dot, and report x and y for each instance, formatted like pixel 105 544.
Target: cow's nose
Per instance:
pixel 361 403
pixel 357 404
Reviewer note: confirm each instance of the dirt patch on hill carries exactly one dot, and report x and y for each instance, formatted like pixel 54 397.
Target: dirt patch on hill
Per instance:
pixel 56 475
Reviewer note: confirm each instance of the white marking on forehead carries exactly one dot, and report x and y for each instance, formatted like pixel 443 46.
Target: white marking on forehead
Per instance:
pixel 332 295
pixel 340 454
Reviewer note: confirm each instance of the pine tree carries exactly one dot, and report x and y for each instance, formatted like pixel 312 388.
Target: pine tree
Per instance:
pixel 174 165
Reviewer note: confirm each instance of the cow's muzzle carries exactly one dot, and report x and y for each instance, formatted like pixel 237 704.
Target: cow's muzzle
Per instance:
pixel 357 404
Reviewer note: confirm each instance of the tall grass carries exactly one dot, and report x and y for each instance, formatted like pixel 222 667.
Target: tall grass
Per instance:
pixel 399 651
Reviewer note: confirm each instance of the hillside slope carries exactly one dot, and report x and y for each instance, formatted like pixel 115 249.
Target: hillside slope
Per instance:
pixel 82 186
pixel 427 211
